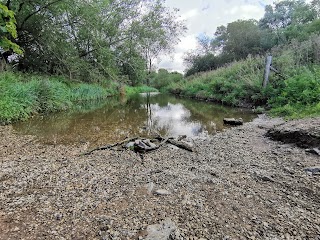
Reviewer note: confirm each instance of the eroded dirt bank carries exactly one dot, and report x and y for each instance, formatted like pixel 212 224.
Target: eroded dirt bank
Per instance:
pixel 238 185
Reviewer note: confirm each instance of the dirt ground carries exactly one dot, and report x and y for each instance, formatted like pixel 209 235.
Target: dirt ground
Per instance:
pixel 237 185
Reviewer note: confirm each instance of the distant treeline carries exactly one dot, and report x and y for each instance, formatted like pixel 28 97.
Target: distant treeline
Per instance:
pixel 283 23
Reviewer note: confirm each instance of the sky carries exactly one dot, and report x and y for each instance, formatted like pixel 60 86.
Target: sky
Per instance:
pixel 204 16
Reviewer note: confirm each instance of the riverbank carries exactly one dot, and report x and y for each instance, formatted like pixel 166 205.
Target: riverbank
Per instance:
pixel 294 95
pixel 24 95
pixel 238 185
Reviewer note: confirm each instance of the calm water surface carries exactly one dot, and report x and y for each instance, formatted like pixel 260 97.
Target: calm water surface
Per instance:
pixel 114 120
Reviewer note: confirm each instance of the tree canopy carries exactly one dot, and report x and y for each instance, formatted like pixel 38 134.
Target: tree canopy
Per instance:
pixel 93 39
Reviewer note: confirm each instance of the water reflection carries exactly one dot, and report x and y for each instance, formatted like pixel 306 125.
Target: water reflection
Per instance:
pixel 114 120
pixel 174 120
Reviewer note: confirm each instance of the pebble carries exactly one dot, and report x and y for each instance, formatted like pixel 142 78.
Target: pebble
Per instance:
pixel 96 194
pixel 162 192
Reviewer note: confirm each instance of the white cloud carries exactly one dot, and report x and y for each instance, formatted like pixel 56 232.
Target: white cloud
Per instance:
pixel 190 14
pixel 245 12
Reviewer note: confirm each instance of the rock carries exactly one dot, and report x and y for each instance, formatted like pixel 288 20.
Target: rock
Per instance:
pixel 313 170
pixel 162 192
pixel 233 121
pixel 164 231
pixel 314 151
pixel 150 187
pixel 58 216
pixel 288 170
pixel 130 145
pixel 265 178
pixel 140 145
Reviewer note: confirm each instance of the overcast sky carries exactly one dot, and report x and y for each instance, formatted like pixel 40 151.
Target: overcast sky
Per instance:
pixel 204 16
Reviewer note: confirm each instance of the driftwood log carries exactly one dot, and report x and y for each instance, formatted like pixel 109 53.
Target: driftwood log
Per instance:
pixel 142 145
pixel 109 146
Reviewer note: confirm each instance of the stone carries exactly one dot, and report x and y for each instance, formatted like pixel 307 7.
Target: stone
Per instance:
pixel 165 230
pixel 140 145
pixel 130 145
pixel 267 178
pixel 313 170
pixel 149 186
pixel 314 151
pixel 233 121
pixel 162 192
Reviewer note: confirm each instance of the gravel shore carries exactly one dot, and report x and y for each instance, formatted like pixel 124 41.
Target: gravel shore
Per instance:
pixel 237 185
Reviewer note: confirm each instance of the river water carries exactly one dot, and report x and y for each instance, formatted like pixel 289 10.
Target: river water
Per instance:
pixel 113 120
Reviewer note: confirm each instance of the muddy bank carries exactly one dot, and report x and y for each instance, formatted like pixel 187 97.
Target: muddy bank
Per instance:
pixel 304 133
pixel 238 185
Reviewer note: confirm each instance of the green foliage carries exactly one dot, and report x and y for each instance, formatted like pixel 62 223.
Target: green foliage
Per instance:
pixel 237 84
pixel 300 95
pixel 94 40
pixel 8 30
pixel 284 22
pixel 23 95
pixel 162 79
pixel 289 31
pixel 139 89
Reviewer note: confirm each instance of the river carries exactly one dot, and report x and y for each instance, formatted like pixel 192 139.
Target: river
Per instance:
pixel 113 120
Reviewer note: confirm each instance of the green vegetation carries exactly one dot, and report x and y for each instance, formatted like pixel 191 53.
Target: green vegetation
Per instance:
pixel 84 49
pixel 236 84
pixel 229 67
pixel 90 41
pixel 22 96
pixel 139 89
pixel 300 95
pixel 88 48
pixel 162 79
pixel 8 30
pixel 294 94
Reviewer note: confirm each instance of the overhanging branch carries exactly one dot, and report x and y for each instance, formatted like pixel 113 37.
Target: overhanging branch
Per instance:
pixel 35 12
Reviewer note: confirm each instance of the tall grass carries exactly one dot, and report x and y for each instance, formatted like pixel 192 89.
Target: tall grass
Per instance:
pixel 139 89
pixel 236 84
pixel 22 96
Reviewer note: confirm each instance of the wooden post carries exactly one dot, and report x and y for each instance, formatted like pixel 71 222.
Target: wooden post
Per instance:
pixel 267 71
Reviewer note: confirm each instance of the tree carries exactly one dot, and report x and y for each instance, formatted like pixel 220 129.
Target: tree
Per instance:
pixel 94 39
pixel 287 18
pixel 158 31
pixel 238 39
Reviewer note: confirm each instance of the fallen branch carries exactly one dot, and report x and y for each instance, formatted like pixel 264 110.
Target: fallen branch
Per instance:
pixel 109 146
pixel 178 144
pixel 181 145
pixel 142 146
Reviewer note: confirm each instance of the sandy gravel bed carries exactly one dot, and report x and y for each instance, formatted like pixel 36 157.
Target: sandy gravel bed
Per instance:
pixel 238 185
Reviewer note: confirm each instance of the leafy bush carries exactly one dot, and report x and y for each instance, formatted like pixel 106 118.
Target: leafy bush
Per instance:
pixel 300 95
